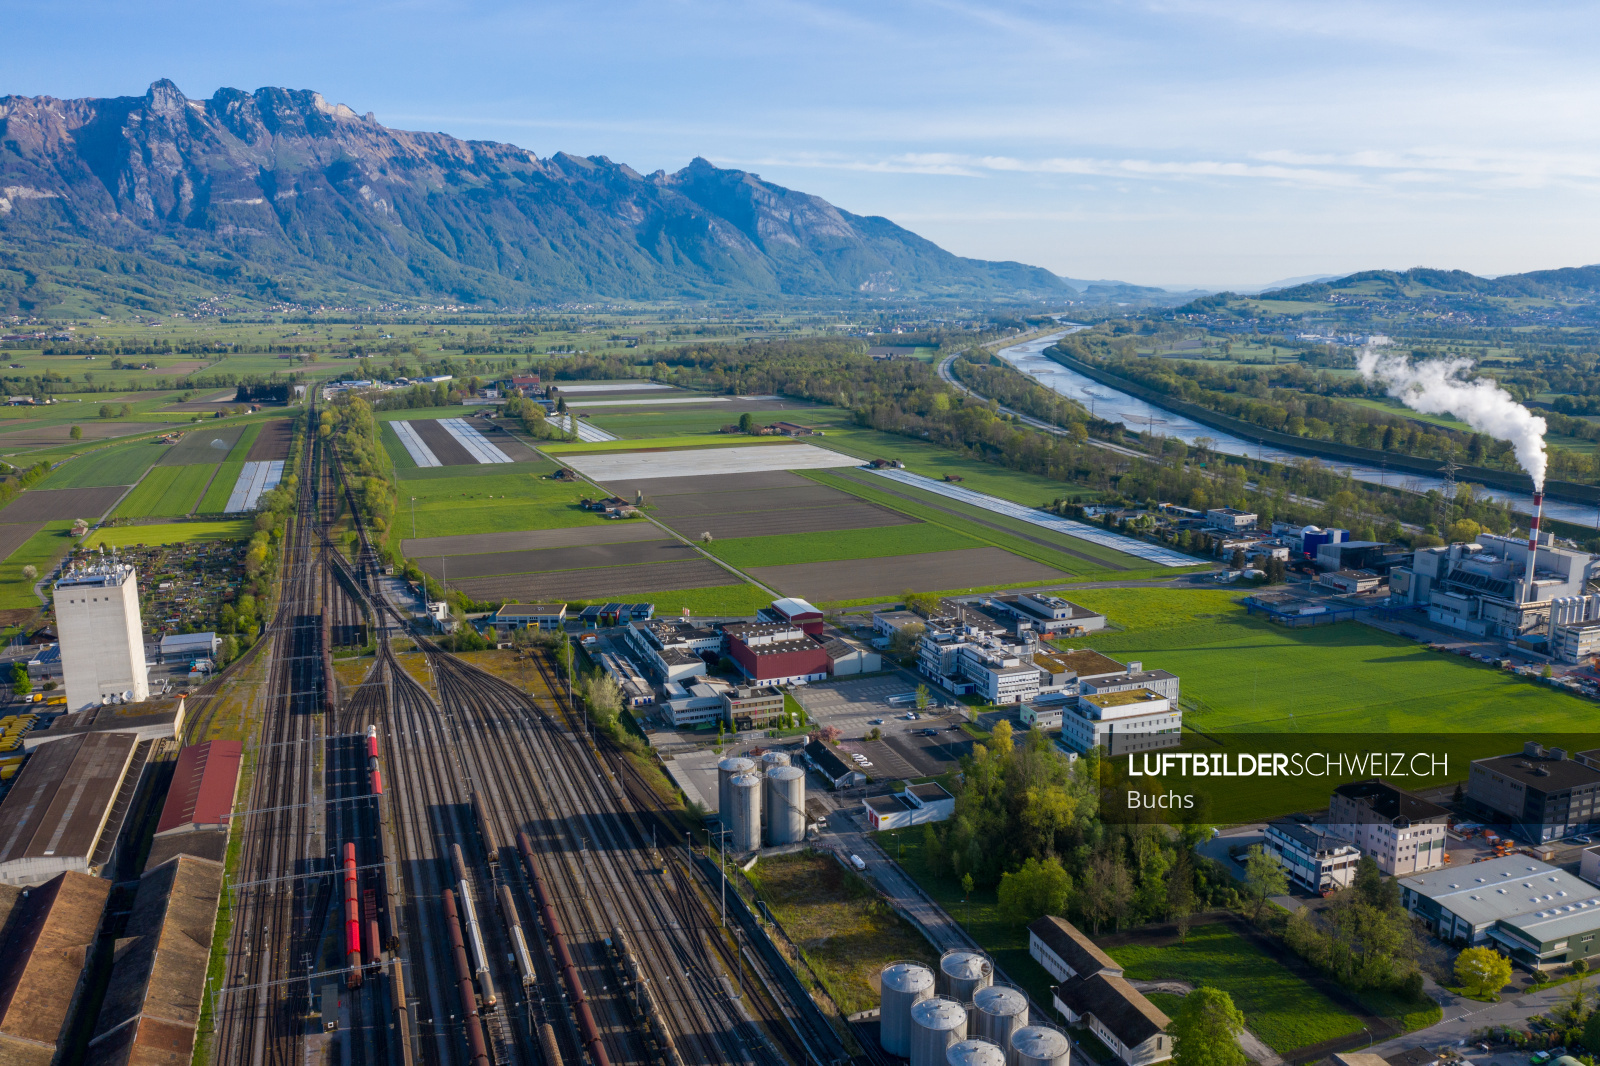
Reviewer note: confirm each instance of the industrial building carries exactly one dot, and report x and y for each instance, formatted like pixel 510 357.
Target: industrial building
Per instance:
pixel 1538 915
pixel 1132 1027
pixel 636 691
pixel 1404 834
pixel 545 616
pixel 752 707
pixel 1065 952
pixel 822 759
pixel 1350 582
pixel 777 653
pixel 967 654
pixel 1481 588
pixel 698 703
pixel 847 657
pixel 1050 615
pixel 59 815
pixel 151 1009
pixel 673 649
pixel 1539 795
pixel 102 637
pixel 199 806
pixel 1575 628
pixel 45 938
pixel 180 646
pixel 797 612
pixel 1315 857
pixel 152 720
pixel 887 623
pixel 1378 556
pixel 1230 519
pixel 928 802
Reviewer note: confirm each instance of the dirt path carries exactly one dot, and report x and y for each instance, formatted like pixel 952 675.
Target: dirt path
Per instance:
pixel 1250 1043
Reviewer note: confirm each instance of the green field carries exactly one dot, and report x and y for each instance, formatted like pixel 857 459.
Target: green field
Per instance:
pixel 404 465
pixel 227 476
pixel 1279 1006
pixel 241 447
pixel 167 490
pixel 1245 674
pixel 657 444
pixel 119 464
pixel 44 550
pixel 540 468
pixel 784 548
pixel 693 420
pixel 492 503
pixel 170 533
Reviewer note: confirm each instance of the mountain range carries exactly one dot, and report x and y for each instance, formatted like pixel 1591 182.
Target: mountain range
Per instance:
pixel 278 195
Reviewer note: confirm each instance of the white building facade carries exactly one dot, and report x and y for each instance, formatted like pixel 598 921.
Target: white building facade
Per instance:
pixel 102 635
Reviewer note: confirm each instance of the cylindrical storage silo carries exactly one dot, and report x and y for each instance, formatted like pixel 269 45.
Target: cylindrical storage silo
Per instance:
pixel 904 984
pixel 972 1052
pixel 936 1024
pixel 997 1011
pixel 786 805
pixel 1040 1045
pixel 964 972
pixel 744 800
pixel 773 759
pixel 727 770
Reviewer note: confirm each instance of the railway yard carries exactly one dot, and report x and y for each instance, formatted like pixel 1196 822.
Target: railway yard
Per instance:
pixel 455 872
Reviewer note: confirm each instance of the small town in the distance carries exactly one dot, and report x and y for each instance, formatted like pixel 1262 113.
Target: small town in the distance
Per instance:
pixel 465 607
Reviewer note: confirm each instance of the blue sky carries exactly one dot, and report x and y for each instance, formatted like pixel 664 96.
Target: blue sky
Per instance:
pixel 1218 144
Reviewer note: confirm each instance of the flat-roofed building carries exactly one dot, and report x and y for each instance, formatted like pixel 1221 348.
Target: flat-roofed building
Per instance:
pixel 636 691
pixel 102 637
pixel 1049 614
pixel 1315 857
pixel 1122 722
pixel 1540 795
pixel 151 1009
pixel 545 616
pixel 1351 581
pixel 752 707
pixel 673 650
pixel 1133 676
pixel 1230 519
pixel 798 612
pixel 151 720
pixel 47 937
pixel 918 804
pixel 847 657
pixel 1538 915
pixel 777 653
pixel 1404 834
pixel 1065 951
pixel 60 806
pixel 1043 715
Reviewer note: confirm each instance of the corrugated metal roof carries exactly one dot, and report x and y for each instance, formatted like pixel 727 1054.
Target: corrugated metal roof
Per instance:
pixel 58 804
pixel 203 785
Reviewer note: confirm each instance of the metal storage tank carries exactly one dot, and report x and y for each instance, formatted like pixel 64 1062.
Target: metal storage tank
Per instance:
pixel 903 985
pixel 786 805
pixel 936 1024
pixel 744 803
pixel 996 1012
pixel 964 972
pixel 727 770
pixel 774 759
pixel 974 1053
pixel 1040 1045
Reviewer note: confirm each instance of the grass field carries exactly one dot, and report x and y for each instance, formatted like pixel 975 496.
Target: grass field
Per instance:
pixel 222 483
pixel 656 444
pixel 119 464
pixel 1251 676
pixel 1279 1006
pixel 878 543
pixel 44 550
pixel 476 470
pixel 404 465
pixel 170 533
pixel 167 490
pixel 693 420
pixel 241 447
pixel 491 503
pixel 837 921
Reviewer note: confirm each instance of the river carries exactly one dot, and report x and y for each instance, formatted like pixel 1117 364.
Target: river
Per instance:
pixel 1117 406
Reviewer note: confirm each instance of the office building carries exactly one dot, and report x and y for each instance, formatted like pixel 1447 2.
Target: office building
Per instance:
pixel 1539 795
pixel 1404 834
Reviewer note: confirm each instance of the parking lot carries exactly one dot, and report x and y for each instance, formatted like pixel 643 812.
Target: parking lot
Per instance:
pixel 857 706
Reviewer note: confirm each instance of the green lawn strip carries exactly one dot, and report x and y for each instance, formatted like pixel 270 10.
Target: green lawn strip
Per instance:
pixel 170 533
pixel 1081 568
pixel 1242 673
pixel 540 468
pixel 423 414
pixel 185 492
pixel 241 447
pixel 936 460
pixel 711 602
pixel 785 548
pixel 837 921
pixel 119 464
pixel 1279 1006
pixel 43 550
pixel 404 465
pixel 647 444
pixel 632 423
pixel 221 488
pixel 146 496
pixel 1004 940
pixel 491 503
pixel 868 601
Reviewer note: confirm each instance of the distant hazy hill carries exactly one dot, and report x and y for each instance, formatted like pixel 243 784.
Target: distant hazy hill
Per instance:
pixel 1567 283
pixel 279 195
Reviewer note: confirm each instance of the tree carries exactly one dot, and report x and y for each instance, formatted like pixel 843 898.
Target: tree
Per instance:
pixel 1039 888
pixel 1000 739
pixel 1264 877
pixel 1180 892
pixel 1591 1030
pixel 30 573
pixel 747 423
pixel 1237 561
pixel 903 645
pixel 76 433
pixel 1105 892
pixel 1483 971
pixel 922 697
pixel 1206 1030
pixel 20 684
pixel 705 538
pixel 1463 532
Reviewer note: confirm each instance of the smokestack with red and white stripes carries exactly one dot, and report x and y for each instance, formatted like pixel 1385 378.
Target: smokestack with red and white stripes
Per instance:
pixel 1533 545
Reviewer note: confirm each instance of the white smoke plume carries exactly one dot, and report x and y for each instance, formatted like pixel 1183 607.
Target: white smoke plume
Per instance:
pixel 1437 387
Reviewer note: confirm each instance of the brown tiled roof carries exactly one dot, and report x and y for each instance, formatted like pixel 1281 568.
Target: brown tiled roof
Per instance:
pixel 43 957
pixel 1072 946
pixel 1119 1006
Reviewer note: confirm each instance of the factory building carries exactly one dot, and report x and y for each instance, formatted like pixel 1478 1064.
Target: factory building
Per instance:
pixel 673 649
pixel 1540 795
pixel 45 939
pixel 544 616
pixel 1404 834
pixel 1575 627
pixel 60 814
pixel 1122 722
pixel 1048 614
pixel 797 612
pixel 1230 520
pixel 153 720
pixel 199 806
pixel 151 1010
pixel 928 802
pixel 777 653
pixel 636 691
pixel 752 707
pixel 1538 915
pixel 1481 588
pixel 102 637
